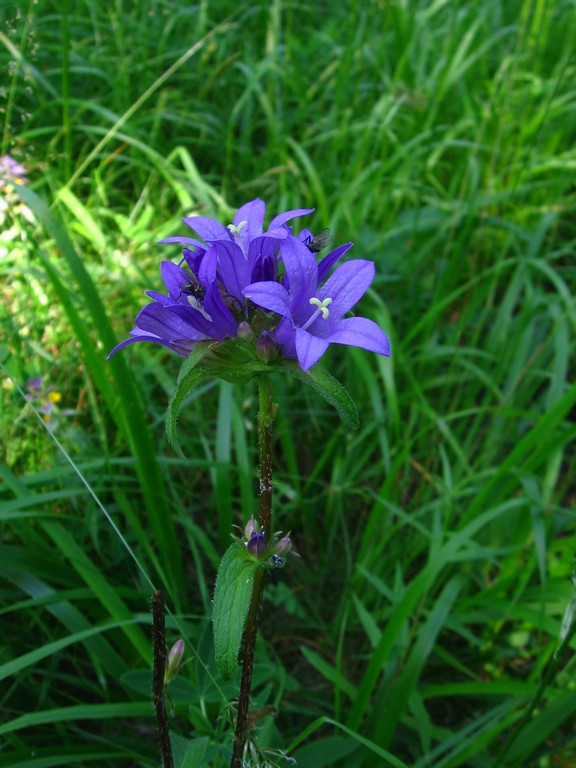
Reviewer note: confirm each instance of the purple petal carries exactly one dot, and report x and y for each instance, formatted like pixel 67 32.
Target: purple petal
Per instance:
pixel 208 266
pixel 193 258
pixel 330 259
pixel 220 322
pixel 174 277
pixel 223 321
pixel 347 285
pixel 235 270
pixel 182 347
pixel 263 258
pixel 360 332
pixel 302 273
pixel 183 241
pixel 285 335
pixel 161 298
pixel 199 326
pixel 279 221
pixel 253 214
pixel 309 348
pixel 208 229
pixel 166 323
pixel 269 295
pixel 132 340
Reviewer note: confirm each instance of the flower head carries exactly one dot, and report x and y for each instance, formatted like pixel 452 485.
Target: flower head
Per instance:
pixel 11 171
pixel 313 310
pixel 12 175
pixel 259 288
pixel 46 400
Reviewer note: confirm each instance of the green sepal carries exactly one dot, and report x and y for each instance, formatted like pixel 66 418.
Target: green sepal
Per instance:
pixel 190 376
pixel 231 602
pixel 235 361
pixel 329 388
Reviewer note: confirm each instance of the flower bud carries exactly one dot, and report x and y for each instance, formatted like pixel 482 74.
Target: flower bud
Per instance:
pixel 257 545
pixel 283 546
pixel 266 347
pixel 174 661
pixel 245 331
pixel 250 529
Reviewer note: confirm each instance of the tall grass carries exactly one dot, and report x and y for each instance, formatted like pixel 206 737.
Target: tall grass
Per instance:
pixel 436 542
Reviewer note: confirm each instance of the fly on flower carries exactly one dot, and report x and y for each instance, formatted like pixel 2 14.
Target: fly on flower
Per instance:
pixel 193 288
pixel 322 239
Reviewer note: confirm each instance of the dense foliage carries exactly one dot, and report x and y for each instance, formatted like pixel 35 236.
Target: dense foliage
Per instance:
pixel 437 541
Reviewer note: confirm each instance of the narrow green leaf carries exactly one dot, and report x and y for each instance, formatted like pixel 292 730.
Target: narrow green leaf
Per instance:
pixel 78 712
pixel 14 666
pixel 55 757
pixel 545 724
pixel 386 758
pixel 392 701
pixel 530 453
pixel 231 602
pixel 328 671
pixel 110 598
pixel 330 389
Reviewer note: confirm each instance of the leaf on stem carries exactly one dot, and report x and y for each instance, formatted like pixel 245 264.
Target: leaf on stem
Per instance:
pixel 191 375
pixel 330 389
pixel 231 603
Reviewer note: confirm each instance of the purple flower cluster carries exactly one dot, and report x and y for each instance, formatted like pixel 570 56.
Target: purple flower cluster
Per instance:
pixel 266 287
pixel 11 171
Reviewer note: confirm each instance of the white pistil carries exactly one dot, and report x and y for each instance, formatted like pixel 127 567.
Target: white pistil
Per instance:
pixel 235 230
pixel 321 309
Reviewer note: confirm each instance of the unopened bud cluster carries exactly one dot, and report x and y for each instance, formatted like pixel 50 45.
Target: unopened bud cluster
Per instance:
pixel 259 549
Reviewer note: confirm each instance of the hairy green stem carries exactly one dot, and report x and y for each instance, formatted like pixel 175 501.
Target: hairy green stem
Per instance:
pixel 265 419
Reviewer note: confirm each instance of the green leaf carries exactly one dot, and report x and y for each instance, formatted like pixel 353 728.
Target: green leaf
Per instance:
pixel 188 753
pixel 331 390
pixel 231 602
pixel 190 376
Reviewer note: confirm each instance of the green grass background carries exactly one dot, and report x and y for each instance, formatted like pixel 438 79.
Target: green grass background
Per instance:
pixel 438 540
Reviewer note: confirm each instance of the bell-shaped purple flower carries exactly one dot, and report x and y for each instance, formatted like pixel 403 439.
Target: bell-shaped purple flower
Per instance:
pixel 313 313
